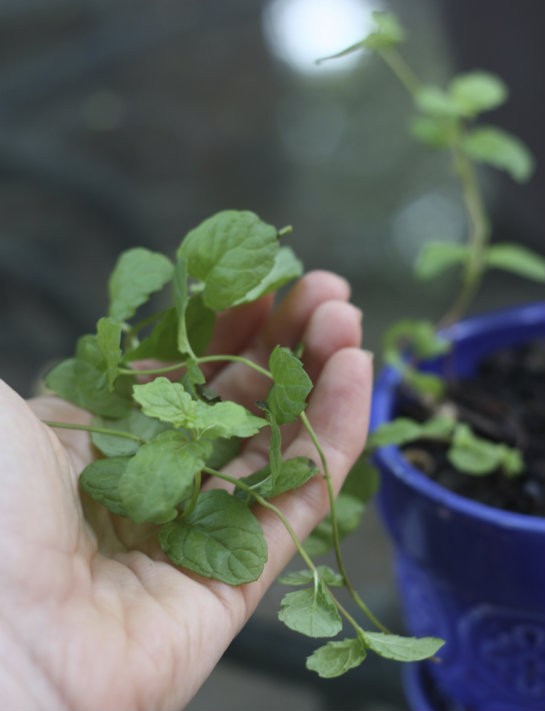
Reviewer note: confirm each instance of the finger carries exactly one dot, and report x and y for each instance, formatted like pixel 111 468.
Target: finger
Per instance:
pixel 286 327
pixel 291 317
pixel 76 443
pixel 333 326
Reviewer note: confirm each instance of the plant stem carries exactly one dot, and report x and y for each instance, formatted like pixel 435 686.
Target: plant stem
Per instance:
pixel 202 359
pixel 195 494
pixel 335 528
pixel 152 371
pixel 479 229
pixel 401 70
pixel 478 237
pixel 300 549
pixel 133 330
pixel 96 430
pixel 271 507
pixel 234 359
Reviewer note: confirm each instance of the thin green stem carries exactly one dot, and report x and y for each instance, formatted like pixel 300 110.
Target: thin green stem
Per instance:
pixel 401 70
pixel 335 528
pixel 288 229
pixel 195 494
pixel 146 322
pixel 479 228
pixel 478 236
pixel 271 507
pixel 96 430
pixel 300 549
pixel 152 371
pixel 234 359
pixel 202 359
pixel 130 333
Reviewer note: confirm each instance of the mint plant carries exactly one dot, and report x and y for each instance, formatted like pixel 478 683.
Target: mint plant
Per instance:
pixel 159 439
pixel 445 119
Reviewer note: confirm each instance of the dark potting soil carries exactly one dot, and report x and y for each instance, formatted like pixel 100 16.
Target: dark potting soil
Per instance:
pixel 504 402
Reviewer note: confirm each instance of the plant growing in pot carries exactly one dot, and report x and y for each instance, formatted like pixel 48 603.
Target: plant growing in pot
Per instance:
pixel 459 431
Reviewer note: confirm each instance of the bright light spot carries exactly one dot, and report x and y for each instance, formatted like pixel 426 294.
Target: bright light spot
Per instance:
pixel 301 31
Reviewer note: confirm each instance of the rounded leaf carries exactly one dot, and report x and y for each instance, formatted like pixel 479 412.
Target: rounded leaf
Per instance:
pixel 220 539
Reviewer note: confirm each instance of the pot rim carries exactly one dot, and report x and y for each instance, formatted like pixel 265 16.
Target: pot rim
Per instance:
pixel 391 457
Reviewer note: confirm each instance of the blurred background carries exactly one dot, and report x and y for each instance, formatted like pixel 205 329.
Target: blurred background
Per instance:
pixel 128 123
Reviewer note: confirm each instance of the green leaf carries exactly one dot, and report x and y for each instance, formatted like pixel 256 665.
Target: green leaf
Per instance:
pixel 170 402
pixel 108 340
pixel 220 539
pixel 516 259
pixel 100 480
pixel 223 451
pixel 436 132
pixel 436 257
pixel 479 457
pixel 231 253
pixel 402 430
pixel 162 343
pixel 427 385
pixel 512 462
pixel 160 476
pixel 286 268
pixel 397 432
pixel 287 397
pixel 501 150
pixel 336 658
pixel 180 295
pixel 388 33
pixel 349 510
pixel 137 274
pixel 467 95
pixel 199 321
pixel 477 91
pixel 293 473
pixel 402 649
pixel 472 454
pixel 419 337
pixel 83 384
pixel 135 423
pixel 303 577
pixel 311 612
pixel 226 419
pixel 363 480
pixel 436 103
pixel 166 401
pixel 438 427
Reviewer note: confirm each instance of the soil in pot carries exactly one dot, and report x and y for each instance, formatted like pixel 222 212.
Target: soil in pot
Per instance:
pixel 503 401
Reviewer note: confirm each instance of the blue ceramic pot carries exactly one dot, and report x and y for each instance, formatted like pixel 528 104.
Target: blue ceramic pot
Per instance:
pixel 467 572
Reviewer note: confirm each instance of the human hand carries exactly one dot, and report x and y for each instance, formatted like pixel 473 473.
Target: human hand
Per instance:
pixel 93 616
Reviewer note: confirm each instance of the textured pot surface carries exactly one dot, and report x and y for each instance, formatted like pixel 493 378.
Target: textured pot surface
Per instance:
pixel 469 573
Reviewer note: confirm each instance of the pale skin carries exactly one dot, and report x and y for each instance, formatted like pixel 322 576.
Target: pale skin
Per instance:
pixel 92 616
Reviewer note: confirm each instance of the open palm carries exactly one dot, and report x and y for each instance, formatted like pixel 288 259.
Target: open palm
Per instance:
pixel 92 615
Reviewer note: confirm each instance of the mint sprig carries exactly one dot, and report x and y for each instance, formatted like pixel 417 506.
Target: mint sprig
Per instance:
pixel 156 440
